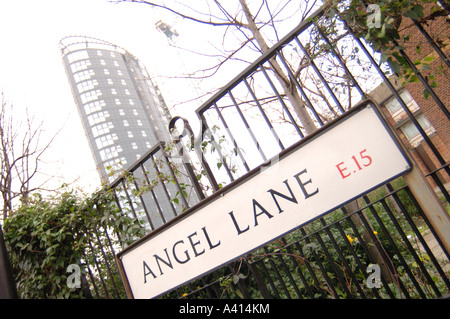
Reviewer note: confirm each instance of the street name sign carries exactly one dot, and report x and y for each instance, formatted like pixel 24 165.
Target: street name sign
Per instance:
pixel 343 160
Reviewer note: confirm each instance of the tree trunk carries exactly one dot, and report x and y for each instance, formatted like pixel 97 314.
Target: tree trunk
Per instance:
pixel 372 247
pixel 289 88
pixel 308 124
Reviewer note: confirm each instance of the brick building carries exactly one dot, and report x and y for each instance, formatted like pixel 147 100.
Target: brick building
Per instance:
pixel 429 112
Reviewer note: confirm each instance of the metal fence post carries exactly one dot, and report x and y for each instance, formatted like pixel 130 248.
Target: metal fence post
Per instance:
pixel 431 206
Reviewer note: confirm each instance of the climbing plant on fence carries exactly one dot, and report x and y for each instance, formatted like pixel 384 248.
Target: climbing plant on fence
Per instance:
pixel 378 23
pixel 47 235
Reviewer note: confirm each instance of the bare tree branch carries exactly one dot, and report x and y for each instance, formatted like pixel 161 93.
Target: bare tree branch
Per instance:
pixel 242 21
pixel 20 156
pixel 185 16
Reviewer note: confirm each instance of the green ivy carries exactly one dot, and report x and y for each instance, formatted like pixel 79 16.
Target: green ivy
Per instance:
pixel 384 36
pixel 46 235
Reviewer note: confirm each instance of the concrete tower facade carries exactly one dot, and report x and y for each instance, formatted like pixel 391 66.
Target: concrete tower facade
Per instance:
pixel 121 109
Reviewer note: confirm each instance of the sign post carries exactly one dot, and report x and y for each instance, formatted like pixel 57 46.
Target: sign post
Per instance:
pixel 343 160
pixel 7 284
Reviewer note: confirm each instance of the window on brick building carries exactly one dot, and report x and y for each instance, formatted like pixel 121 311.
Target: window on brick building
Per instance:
pixel 404 123
pixel 396 109
pixel 412 133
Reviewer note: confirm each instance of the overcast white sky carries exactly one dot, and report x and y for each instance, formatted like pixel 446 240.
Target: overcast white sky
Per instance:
pixel 32 73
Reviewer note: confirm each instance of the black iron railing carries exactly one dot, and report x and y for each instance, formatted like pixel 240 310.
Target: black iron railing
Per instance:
pixel 296 86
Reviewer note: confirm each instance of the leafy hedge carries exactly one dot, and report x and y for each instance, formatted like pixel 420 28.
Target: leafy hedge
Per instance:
pixel 45 236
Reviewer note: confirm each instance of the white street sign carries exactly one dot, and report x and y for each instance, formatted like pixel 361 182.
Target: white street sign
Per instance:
pixel 350 157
